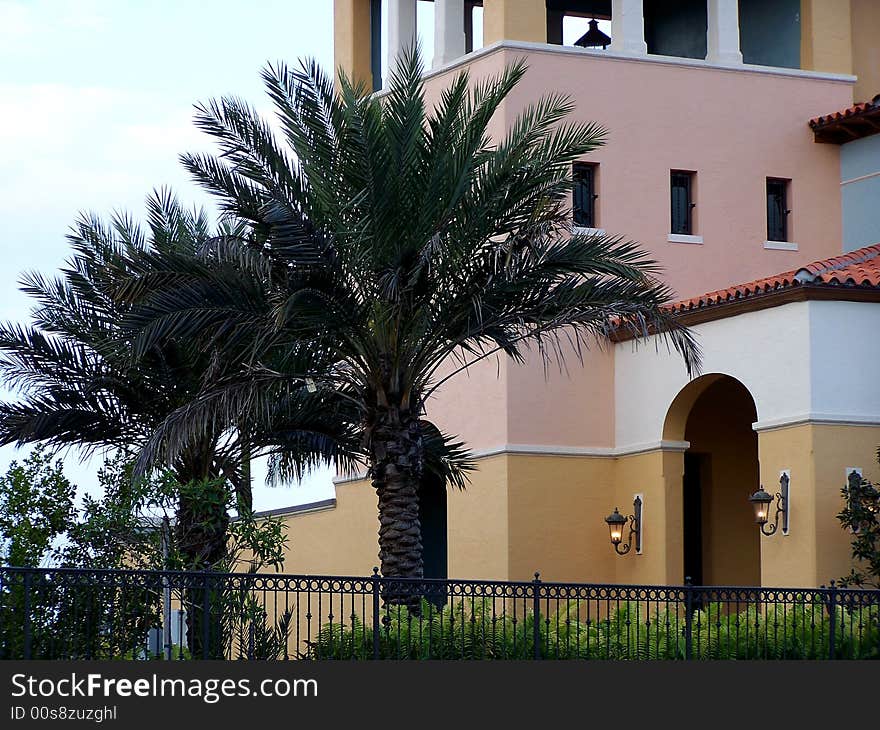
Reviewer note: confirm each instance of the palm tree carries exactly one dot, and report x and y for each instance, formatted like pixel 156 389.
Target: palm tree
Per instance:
pixel 394 240
pixel 79 385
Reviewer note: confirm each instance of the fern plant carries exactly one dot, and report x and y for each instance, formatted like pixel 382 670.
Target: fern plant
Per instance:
pixel 482 629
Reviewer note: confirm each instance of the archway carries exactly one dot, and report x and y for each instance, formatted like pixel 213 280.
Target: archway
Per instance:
pixel 721 545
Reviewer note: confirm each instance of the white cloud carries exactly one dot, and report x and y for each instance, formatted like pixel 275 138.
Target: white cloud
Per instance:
pixel 24 22
pixel 95 107
pixel 88 147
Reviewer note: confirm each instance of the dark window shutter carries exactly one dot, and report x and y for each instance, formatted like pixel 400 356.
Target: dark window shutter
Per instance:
pixel 680 186
pixel 777 210
pixel 584 196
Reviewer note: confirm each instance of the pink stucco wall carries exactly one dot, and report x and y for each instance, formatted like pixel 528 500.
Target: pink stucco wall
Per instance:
pixel 734 128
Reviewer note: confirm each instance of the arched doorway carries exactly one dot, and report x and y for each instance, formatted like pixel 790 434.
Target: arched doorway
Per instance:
pixel 721 545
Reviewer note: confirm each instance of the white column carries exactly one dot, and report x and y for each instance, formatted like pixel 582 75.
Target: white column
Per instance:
pixel 722 35
pixel 401 29
pixel 628 27
pixel 448 31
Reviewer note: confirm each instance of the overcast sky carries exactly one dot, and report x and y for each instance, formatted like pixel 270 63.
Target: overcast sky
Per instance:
pixel 96 104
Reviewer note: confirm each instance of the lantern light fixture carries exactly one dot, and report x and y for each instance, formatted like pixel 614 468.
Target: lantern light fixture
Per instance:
pixel 617 522
pixel 761 502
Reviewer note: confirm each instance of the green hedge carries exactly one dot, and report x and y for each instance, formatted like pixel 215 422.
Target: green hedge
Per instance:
pixel 470 629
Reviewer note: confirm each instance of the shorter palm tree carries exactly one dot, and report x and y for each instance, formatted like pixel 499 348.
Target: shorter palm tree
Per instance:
pixel 80 384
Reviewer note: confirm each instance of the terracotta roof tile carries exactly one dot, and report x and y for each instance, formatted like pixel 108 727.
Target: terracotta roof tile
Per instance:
pixel 855 122
pixel 842 114
pixel 860 268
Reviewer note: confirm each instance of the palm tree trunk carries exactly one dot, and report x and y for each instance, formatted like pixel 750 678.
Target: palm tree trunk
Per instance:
pixel 202 524
pixel 396 450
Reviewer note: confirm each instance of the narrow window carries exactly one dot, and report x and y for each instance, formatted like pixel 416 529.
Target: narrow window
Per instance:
pixel 584 195
pixel 681 198
pixel 777 209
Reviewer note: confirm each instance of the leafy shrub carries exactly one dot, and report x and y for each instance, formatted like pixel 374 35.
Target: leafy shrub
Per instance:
pixel 861 517
pixel 479 629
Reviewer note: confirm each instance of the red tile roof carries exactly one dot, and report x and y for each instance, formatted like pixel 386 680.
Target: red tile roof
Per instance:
pixel 843 114
pixel 856 269
pixel 859 120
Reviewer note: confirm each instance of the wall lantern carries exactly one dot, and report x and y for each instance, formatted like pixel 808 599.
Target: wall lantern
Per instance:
pixel 616 522
pixel 761 502
pixel 863 490
pixel 862 496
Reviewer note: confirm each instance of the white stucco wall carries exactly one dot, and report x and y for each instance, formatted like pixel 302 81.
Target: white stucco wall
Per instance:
pixel 802 361
pixel 844 357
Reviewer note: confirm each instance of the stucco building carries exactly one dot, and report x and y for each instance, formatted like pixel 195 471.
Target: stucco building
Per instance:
pixel 735 153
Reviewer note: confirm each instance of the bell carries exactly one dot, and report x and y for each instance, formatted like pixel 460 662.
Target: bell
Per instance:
pixel 593 38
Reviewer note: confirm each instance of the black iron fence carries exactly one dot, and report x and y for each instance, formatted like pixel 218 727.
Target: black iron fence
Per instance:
pixel 102 614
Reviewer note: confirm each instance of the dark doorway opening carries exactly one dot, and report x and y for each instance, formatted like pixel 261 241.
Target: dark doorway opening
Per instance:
pixel 694 466
pixel 721 466
pixel 432 516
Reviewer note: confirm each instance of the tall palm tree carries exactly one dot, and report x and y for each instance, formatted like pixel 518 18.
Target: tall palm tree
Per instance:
pixel 398 239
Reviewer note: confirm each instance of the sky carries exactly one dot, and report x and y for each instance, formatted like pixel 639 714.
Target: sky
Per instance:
pixel 96 105
pixel 96 101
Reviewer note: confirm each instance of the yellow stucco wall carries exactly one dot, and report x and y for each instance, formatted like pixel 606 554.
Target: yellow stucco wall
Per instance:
pixel 477 524
pixel 556 508
pixel 826 36
pixel 524 513
pixel 338 541
pixel 514 20
pixel 817 548
pixel 657 476
pixel 351 39
pixel 865 48
pixel 834 449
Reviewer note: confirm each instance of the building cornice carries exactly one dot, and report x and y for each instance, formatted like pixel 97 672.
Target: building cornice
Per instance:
pixel 594 452
pixel 298 509
pixel 757 302
pixel 601 452
pixel 550 48
pixel 816 419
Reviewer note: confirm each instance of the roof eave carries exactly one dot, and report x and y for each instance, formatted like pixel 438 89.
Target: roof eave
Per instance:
pixel 757 302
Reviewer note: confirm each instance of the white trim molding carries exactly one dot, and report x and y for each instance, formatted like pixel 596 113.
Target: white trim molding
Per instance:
pixel 595 452
pixel 860 178
pixel 780 246
pixel 545 450
pixel 584 231
pixel 819 419
pixel 532 47
pixel 602 452
pixel 349 478
pixel 683 238
pixel 643 448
